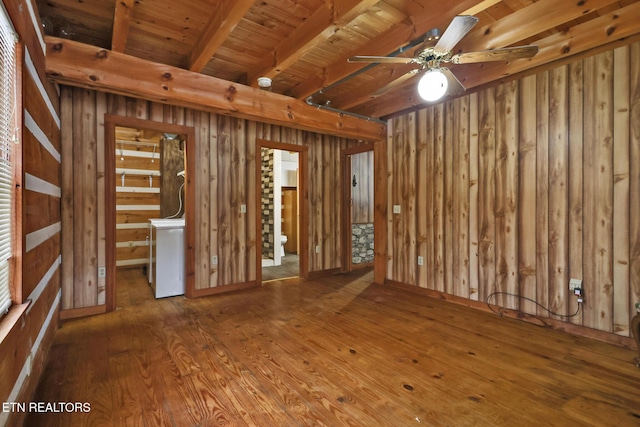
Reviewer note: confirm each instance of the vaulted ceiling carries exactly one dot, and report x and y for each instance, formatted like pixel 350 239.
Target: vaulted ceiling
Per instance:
pixel 303 45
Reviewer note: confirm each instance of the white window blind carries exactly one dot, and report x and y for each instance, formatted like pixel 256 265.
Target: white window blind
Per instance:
pixel 8 42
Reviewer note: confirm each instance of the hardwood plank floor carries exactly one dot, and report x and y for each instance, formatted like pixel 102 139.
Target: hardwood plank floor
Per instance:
pixel 335 351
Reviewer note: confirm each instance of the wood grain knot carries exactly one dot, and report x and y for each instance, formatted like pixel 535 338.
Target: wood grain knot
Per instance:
pixel 167 76
pixel 93 78
pixel 57 47
pixel 408 387
pixel 102 53
pixel 610 30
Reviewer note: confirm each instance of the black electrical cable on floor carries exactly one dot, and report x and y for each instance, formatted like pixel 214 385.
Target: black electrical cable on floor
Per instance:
pixel 566 316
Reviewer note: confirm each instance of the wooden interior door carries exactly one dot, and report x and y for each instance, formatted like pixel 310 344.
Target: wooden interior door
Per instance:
pixel 290 219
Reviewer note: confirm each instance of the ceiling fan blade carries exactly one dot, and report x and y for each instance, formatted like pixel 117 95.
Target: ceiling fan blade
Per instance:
pixel 381 59
pixel 455 87
pixel 457 29
pixel 504 54
pixel 394 83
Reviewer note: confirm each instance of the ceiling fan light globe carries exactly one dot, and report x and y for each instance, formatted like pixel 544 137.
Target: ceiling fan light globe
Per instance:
pixel 432 85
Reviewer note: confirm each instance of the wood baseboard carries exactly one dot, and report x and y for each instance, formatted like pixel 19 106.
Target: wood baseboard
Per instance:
pixel 82 312
pixel 569 328
pixel 197 293
pixel 323 273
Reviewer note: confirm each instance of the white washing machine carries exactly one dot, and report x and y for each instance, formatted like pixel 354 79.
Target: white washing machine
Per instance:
pixel 165 271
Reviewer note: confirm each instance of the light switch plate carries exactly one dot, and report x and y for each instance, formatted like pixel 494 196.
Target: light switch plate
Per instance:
pixel 396 209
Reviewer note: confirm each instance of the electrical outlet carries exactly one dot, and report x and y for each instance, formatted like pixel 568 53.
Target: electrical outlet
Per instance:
pixel 420 260
pixel 243 208
pixel 396 209
pixel 575 283
pixel 214 259
pixel 102 272
pixel 317 249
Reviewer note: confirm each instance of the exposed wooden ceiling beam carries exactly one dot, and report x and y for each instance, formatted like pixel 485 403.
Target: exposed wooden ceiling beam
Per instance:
pixel 400 35
pixel 324 23
pixel 609 29
pixel 529 21
pixel 121 20
pixel 224 19
pixel 81 65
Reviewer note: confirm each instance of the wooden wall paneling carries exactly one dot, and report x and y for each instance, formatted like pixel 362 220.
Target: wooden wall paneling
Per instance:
pixel 558 190
pixel 67 267
pixel 437 191
pixel 315 202
pixel 85 203
pixel 381 212
pixel 576 190
pixel 224 199
pixel 620 220
pixel 41 210
pixel 203 205
pixel 401 249
pixel 252 233
pixel 39 111
pixel 37 261
pixel 214 183
pixel 598 186
pixel 391 198
pixel 409 198
pixel 472 252
pixel 542 191
pixel 486 193
pixel 169 161
pixel 335 207
pixel 448 196
pixel 238 198
pixel 527 192
pixel 101 110
pixel 461 197
pixel 327 245
pixel 38 161
pixel 507 192
pixel 634 177
pixel 424 130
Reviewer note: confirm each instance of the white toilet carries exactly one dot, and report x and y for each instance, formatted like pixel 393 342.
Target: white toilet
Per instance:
pixel 283 240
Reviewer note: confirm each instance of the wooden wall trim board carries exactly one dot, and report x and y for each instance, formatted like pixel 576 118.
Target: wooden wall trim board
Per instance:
pixel 74 313
pixel 205 292
pixel 555 165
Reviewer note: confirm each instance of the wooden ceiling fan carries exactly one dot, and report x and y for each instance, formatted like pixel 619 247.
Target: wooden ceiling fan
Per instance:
pixel 438 80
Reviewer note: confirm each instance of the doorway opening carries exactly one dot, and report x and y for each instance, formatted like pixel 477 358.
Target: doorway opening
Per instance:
pixel 147 190
pixel 358 215
pixel 281 213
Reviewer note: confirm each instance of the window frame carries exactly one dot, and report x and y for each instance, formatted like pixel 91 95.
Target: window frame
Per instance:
pixel 7 320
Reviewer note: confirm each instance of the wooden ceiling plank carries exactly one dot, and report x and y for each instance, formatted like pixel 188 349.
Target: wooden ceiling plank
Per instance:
pixel 224 19
pixel 618 27
pixel 480 7
pixel 440 14
pixel 81 65
pixel 527 22
pixel 121 21
pixel 325 22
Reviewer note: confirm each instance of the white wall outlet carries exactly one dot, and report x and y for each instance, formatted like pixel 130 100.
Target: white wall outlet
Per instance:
pixel 396 209
pixel 102 272
pixel 214 259
pixel 575 283
pixel 420 260
pixel 317 249
pixel 243 208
